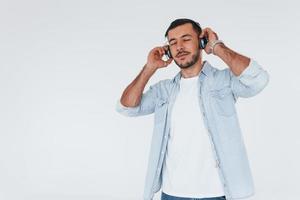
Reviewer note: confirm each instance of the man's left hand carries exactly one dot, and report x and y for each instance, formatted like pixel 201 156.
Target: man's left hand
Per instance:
pixel 211 37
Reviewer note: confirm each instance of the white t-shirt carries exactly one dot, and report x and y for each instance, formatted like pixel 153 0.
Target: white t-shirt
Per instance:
pixel 190 169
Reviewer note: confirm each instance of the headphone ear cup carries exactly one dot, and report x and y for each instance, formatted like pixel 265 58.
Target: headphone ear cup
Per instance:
pixel 168 52
pixel 203 42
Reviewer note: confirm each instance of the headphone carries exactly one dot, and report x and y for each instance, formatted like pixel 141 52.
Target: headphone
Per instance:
pixel 202 44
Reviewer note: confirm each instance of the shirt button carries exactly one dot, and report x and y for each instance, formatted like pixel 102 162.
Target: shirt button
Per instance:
pixel 217 164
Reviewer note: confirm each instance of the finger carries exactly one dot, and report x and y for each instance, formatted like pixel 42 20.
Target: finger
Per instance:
pixel 156 49
pixel 165 47
pixel 208 29
pixel 169 60
pixel 204 33
pixel 205 29
pixel 162 52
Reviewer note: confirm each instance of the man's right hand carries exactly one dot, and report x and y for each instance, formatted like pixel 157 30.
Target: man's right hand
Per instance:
pixel 133 93
pixel 155 61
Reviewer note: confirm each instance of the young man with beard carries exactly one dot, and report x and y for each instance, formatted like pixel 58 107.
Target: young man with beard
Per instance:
pixel 197 150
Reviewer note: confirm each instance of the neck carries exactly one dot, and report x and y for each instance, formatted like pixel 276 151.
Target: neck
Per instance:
pixel 193 70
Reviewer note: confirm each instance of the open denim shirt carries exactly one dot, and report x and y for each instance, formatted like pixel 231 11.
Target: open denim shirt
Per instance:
pixel 218 93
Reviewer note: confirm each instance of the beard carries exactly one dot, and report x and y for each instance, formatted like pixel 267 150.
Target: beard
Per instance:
pixel 191 62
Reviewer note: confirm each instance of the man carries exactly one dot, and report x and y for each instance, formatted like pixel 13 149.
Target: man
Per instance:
pixel 197 150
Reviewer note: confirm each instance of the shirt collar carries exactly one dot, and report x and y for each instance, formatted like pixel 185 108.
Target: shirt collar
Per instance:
pixel 206 70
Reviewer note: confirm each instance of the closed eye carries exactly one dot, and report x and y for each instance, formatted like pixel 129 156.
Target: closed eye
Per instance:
pixel 185 39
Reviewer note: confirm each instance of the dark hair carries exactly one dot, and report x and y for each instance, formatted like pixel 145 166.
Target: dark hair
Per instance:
pixel 181 21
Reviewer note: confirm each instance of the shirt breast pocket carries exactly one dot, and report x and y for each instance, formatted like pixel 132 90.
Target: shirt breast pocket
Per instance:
pixel 160 110
pixel 223 101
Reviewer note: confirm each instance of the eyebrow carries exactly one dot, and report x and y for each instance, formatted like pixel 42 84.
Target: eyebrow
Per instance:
pixel 181 37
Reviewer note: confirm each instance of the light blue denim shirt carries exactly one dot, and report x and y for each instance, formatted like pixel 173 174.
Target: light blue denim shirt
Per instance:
pixel 218 93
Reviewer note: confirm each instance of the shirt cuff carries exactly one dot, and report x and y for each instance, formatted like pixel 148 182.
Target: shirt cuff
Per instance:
pixel 252 70
pixel 124 109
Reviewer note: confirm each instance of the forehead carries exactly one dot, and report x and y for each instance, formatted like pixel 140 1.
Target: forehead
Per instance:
pixel 180 31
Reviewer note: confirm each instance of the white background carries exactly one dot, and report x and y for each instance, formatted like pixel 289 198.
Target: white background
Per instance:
pixel 64 64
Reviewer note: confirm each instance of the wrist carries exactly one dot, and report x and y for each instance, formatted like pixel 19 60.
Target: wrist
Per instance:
pixel 149 68
pixel 218 48
pixel 215 44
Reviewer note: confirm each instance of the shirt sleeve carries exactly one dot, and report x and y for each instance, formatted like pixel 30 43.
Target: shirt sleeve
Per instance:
pixel 250 82
pixel 146 106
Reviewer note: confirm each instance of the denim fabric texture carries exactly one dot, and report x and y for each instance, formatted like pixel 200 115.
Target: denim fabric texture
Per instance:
pixel 218 92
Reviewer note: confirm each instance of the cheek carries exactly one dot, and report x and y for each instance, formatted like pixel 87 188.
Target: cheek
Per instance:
pixel 192 47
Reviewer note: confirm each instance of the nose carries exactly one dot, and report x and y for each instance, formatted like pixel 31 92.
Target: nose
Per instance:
pixel 179 46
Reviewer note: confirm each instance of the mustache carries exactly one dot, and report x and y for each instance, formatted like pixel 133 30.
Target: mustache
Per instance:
pixel 182 53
